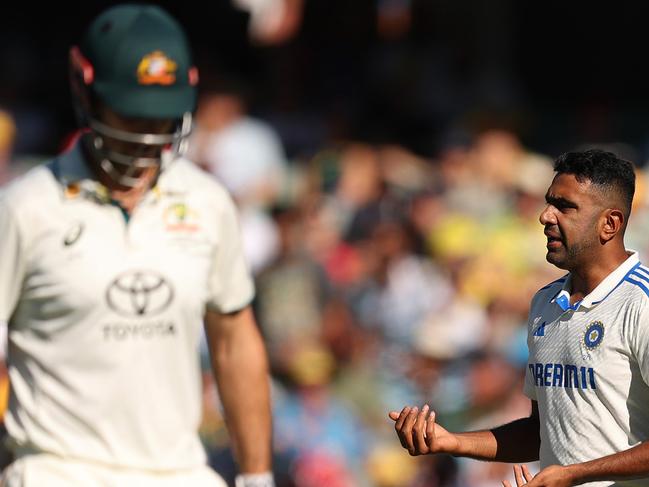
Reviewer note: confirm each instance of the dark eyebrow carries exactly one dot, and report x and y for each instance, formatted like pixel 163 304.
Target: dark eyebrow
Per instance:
pixel 559 202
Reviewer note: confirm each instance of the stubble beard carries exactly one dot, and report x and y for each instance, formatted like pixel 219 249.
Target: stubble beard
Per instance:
pixel 569 256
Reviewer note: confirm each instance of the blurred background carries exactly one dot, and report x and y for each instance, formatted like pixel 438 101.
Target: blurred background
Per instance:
pixel 389 159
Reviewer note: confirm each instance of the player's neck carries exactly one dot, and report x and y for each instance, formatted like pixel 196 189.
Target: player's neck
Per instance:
pixel 129 198
pixel 587 276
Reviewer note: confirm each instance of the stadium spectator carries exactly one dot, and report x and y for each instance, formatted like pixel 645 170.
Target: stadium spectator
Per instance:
pixel 246 155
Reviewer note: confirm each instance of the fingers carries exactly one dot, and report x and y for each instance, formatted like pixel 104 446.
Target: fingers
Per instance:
pixel 398 426
pixel 407 429
pixel 430 430
pixel 415 428
pixel 419 431
pixel 402 418
pixel 526 473
pixel 506 483
pixel 518 475
pixel 522 475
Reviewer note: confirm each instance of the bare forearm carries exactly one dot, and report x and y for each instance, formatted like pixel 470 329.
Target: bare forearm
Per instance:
pixel 629 464
pixel 517 441
pixel 241 371
pixel 513 442
pixel 480 445
pixel 243 387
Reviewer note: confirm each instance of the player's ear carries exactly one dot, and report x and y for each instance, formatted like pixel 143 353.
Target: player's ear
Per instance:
pixel 82 75
pixel 612 224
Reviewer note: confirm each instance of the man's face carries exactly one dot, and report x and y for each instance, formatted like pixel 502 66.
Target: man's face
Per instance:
pixel 133 163
pixel 571 221
pixel 138 126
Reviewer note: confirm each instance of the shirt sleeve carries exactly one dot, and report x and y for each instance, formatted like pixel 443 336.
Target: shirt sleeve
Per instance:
pixel 529 386
pixel 639 341
pixel 230 284
pixel 12 266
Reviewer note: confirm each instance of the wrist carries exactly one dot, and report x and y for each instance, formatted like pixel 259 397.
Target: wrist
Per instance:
pixel 264 479
pixel 462 446
pixel 574 473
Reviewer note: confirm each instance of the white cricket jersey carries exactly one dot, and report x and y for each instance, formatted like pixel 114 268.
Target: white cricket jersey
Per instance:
pixel 589 368
pixel 106 313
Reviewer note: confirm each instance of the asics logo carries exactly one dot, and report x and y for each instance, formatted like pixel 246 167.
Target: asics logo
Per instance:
pixel 73 234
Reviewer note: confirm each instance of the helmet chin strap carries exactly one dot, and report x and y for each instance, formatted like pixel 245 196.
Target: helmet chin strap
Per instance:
pixel 127 178
pixel 124 169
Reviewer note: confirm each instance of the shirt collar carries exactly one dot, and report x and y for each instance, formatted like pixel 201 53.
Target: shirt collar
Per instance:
pixel 76 178
pixel 604 288
pixel 70 167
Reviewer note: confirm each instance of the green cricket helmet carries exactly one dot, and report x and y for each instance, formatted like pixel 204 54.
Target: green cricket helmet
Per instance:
pixel 135 59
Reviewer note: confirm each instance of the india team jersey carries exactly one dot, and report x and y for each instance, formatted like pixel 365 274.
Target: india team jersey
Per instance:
pixel 589 367
pixel 106 313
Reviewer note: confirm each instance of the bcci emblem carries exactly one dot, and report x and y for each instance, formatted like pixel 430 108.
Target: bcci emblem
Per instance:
pixel 594 335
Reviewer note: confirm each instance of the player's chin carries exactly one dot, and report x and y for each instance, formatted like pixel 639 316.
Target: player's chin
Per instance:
pixel 556 259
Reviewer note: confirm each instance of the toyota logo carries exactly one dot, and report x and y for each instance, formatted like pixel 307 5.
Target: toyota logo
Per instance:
pixel 139 293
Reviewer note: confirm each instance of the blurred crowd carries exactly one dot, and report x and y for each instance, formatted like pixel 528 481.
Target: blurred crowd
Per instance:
pixel 383 279
pixel 385 276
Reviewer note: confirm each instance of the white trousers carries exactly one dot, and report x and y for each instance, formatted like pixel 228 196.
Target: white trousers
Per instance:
pixel 44 470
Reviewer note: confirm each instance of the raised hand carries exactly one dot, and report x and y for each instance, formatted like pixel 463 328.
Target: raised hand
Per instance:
pixel 420 435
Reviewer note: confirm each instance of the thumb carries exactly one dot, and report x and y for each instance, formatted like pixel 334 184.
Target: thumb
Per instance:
pixel 393 415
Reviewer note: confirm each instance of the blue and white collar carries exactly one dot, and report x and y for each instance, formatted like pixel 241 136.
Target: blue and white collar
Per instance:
pixel 603 289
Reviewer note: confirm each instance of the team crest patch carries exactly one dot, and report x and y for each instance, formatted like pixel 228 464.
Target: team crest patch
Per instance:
pixel 594 335
pixel 156 68
pixel 179 218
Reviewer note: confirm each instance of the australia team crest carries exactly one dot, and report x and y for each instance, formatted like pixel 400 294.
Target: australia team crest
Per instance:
pixel 157 68
pixel 180 218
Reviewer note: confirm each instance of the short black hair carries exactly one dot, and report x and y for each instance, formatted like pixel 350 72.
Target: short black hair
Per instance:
pixel 602 168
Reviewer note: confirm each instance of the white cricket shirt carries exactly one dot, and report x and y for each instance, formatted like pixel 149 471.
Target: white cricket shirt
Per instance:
pixel 105 315
pixel 589 368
